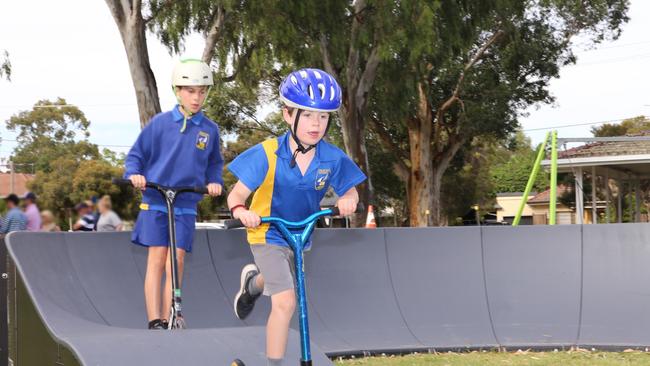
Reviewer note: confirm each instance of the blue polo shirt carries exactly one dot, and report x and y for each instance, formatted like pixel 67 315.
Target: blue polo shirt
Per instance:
pixel 166 156
pixel 282 191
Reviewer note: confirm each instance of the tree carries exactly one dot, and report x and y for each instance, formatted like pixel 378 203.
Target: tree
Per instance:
pixel 53 139
pixel 465 70
pixel 511 173
pixel 635 125
pixel 70 182
pixel 131 24
pixel 47 132
pixel 5 67
pixel 172 20
pixel 428 77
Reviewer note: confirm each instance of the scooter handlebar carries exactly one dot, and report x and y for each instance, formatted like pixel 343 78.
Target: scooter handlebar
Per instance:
pixel 233 224
pixel 236 223
pixel 127 183
pixel 336 212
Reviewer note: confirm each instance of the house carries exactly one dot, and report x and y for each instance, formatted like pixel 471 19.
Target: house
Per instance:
pixel 508 204
pixel 617 166
pixel 14 183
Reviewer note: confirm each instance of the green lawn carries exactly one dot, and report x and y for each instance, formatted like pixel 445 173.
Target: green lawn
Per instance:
pixel 579 357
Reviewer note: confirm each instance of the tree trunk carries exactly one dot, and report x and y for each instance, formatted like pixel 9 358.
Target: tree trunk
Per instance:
pixel 359 76
pixel 128 18
pixel 421 177
pixel 352 126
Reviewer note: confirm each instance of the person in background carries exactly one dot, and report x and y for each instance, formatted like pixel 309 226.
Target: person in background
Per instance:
pixel 15 219
pixel 94 210
pixel 86 221
pixel 48 223
pixel 31 212
pixel 108 219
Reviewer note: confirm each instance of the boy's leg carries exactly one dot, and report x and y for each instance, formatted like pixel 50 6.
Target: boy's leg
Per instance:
pixel 167 293
pixel 283 305
pixel 152 281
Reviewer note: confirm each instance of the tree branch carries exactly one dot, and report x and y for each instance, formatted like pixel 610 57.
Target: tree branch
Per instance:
pixel 477 56
pixel 241 62
pixel 367 78
pixel 400 167
pixel 155 14
pixel 444 158
pixel 353 52
pixel 116 9
pixel 136 6
pixel 213 33
pixel 387 140
pixel 126 8
pixel 327 60
pixel 261 126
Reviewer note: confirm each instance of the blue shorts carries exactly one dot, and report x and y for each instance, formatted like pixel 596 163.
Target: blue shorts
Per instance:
pixel 152 230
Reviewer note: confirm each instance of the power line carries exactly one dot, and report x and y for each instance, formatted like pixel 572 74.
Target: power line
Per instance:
pixel 615 60
pixel 100 145
pixel 616 46
pixel 71 105
pixel 578 124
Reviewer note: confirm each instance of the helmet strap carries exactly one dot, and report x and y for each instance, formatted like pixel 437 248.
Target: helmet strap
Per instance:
pixel 294 134
pixel 185 112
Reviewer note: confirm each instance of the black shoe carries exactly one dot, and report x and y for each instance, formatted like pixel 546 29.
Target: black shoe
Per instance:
pixel 156 324
pixel 244 301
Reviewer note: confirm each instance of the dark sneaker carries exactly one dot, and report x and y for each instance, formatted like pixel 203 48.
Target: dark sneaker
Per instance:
pixel 244 301
pixel 156 324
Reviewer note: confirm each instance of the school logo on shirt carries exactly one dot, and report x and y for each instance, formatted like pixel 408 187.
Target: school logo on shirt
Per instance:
pixel 202 140
pixel 321 178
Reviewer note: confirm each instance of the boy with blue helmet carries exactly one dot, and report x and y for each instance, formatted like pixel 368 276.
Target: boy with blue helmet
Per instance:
pixel 289 175
pixel 177 148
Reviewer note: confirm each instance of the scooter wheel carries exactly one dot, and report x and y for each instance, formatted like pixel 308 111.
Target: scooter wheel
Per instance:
pixel 237 362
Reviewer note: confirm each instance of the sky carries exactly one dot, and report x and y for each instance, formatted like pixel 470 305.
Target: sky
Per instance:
pixel 72 49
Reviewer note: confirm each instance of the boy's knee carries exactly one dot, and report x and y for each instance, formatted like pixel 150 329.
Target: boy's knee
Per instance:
pixel 285 302
pixel 157 259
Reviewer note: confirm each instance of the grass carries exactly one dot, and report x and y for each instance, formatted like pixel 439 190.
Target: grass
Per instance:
pixel 579 357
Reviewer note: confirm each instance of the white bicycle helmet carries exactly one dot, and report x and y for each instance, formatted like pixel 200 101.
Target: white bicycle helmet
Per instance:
pixel 192 72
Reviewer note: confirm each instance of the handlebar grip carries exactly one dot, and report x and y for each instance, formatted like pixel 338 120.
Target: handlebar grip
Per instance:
pixel 201 190
pixel 233 224
pixel 360 208
pixel 122 182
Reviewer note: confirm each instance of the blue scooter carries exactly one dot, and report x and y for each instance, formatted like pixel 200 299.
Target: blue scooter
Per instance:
pixel 297 243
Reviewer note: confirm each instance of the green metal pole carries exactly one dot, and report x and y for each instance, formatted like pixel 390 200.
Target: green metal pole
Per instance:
pixel 553 200
pixel 531 180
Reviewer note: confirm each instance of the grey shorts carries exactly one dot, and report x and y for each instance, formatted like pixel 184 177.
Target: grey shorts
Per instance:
pixel 276 265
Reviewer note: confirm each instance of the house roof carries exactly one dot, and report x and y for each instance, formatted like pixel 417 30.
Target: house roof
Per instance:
pixel 514 194
pixel 545 197
pixel 20 184
pixel 621 156
pixel 607 148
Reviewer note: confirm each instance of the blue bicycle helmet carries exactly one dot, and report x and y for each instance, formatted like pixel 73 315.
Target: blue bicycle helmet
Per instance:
pixel 311 90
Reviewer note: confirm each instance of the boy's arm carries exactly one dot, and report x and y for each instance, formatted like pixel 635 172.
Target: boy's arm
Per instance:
pixel 347 203
pixel 137 157
pixel 214 171
pixel 139 153
pixel 237 205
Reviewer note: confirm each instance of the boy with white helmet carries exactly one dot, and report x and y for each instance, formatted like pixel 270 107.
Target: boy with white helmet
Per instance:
pixel 289 176
pixel 177 148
